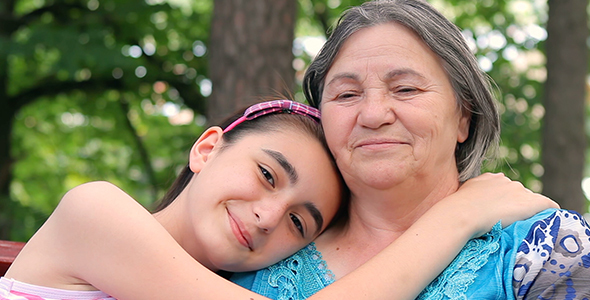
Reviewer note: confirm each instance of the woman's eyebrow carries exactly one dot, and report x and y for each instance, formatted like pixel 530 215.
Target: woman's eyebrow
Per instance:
pixel 284 163
pixel 402 72
pixel 344 75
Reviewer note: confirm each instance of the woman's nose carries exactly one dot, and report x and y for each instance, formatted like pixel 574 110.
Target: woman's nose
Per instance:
pixel 376 110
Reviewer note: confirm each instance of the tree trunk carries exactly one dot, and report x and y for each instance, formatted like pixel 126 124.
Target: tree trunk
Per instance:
pixel 250 53
pixel 564 139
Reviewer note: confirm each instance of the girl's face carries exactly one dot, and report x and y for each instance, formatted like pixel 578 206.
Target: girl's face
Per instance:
pixel 260 199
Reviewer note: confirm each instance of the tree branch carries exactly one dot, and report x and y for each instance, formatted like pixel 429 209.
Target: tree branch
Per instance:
pixel 11 22
pixel 143 153
pixel 52 87
pixel 187 89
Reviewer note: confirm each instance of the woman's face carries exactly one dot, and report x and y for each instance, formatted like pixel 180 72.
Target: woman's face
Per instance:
pixel 389 111
pixel 261 199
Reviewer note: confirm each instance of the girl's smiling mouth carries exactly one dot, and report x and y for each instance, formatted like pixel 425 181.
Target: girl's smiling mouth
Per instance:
pixel 239 231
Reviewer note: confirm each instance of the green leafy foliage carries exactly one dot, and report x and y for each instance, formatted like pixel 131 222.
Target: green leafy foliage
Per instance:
pixel 98 90
pixel 507 37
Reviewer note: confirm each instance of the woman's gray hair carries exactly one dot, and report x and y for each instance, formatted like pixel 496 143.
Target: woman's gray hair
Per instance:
pixel 472 86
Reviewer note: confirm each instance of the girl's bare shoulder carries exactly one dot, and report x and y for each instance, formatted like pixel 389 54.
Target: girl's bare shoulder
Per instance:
pixel 97 201
pixel 89 216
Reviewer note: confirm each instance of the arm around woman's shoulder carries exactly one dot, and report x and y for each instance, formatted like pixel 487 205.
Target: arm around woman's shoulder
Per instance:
pixel 553 260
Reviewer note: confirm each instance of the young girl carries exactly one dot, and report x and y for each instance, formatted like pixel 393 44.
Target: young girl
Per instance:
pixel 262 189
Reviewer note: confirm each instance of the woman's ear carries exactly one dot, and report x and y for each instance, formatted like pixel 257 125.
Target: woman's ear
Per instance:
pixel 463 132
pixel 203 147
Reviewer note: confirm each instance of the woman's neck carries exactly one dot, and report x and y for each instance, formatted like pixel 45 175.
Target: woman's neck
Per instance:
pixel 376 219
pixel 397 208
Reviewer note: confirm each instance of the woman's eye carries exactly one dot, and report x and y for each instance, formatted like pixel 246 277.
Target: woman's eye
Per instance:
pixel 267 175
pixel 345 96
pixel 406 89
pixel 297 223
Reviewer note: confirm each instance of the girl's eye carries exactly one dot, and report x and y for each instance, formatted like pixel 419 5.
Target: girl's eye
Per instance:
pixel 297 224
pixel 267 175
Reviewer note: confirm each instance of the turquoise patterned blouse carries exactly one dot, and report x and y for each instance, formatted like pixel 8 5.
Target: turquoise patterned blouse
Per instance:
pixel 544 257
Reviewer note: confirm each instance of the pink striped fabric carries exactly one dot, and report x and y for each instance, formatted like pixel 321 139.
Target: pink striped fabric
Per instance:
pixel 15 290
pixel 276 106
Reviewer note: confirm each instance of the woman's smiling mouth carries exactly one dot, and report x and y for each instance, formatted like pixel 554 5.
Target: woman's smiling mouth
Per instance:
pixel 378 143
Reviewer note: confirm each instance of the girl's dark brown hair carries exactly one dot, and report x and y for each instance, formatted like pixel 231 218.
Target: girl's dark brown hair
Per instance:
pixel 266 123
pixel 185 175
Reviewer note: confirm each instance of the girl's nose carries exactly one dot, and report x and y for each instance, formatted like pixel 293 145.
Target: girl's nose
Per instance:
pixel 269 213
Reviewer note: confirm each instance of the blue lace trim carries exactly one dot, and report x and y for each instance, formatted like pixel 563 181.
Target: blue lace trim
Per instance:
pixel 301 275
pixel 305 273
pixel 461 273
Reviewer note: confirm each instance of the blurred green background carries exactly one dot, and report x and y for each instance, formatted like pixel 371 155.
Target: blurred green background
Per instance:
pixel 117 90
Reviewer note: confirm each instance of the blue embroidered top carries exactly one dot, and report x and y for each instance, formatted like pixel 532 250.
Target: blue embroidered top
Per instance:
pixel 544 257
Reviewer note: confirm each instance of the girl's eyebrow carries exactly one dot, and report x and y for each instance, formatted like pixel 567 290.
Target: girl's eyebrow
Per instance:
pixel 290 170
pixel 284 163
pixel 316 215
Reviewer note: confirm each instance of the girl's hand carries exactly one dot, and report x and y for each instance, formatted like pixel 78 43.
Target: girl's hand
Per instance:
pixel 489 198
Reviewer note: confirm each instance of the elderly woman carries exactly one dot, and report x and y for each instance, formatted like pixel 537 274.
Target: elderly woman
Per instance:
pixel 409 116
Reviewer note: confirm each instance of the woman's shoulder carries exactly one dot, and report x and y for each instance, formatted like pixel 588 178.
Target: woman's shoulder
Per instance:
pixel 547 233
pixel 557 219
pixel 555 232
pixel 534 255
pixel 554 256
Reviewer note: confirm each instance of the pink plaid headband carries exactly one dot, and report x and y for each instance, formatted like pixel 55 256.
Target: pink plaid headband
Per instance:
pixel 276 106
